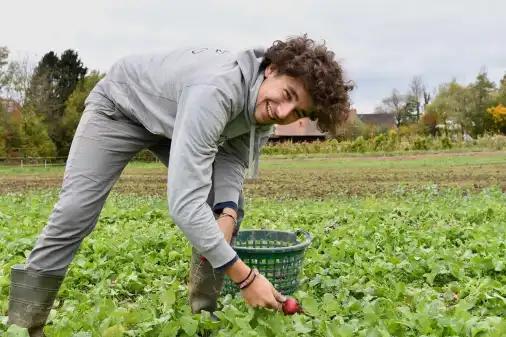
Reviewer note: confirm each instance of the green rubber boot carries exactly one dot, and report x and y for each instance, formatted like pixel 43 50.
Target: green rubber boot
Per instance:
pixel 32 295
pixel 205 285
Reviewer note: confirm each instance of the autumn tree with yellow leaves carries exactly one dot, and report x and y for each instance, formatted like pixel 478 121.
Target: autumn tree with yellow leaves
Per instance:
pixel 498 114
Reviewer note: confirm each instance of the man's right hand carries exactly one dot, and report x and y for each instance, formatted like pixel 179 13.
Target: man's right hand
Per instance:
pixel 260 293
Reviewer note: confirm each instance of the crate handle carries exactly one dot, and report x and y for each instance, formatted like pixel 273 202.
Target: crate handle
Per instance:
pixel 306 234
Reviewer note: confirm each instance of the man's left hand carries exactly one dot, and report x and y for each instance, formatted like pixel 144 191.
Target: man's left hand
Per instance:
pixel 227 223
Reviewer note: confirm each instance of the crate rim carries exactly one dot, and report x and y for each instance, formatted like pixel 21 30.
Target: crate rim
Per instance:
pixel 297 247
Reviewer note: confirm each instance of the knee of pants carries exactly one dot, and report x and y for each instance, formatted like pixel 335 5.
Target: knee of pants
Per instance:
pixel 72 219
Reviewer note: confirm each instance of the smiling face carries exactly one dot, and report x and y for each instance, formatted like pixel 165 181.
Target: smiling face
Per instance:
pixel 281 99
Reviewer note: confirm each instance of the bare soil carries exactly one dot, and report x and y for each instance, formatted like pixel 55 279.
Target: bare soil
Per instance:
pixel 395 157
pixel 280 182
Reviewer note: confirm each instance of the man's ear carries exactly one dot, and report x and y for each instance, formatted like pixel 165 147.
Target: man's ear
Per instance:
pixel 270 70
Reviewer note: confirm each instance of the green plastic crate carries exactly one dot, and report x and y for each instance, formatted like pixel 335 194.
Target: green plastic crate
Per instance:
pixel 278 255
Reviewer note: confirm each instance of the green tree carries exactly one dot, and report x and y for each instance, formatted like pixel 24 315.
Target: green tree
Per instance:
pixel 437 112
pixel 454 107
pixel 12 135
pixel 460 103
pixel 36 141
pixel 500 97
pixel 3 152
pixel 70 71
pixel 482 91
pixel 54 80
pixel 41 93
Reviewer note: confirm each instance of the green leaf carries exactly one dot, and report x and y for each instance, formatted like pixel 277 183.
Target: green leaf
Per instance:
pixel 310 304
pixel 345 330
pixel 243 322
pixel 16 331
pixel 300 326
pixel 170 329
pixel 189 325
pixel 114 331
pixel 168 299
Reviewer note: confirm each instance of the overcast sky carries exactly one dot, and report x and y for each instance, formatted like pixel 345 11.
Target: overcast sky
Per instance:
pixel 382 43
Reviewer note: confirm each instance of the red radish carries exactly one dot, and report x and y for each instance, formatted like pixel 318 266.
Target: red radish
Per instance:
pixel 202 258
pixel 290 306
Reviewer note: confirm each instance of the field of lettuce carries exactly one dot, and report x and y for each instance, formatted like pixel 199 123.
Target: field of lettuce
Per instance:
pixel 401 247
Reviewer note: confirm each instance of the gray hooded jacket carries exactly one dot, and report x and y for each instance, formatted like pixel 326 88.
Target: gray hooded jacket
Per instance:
pixel 203 99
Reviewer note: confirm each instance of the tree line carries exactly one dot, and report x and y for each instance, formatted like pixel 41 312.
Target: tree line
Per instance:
pixel 475 109
pixel 41 105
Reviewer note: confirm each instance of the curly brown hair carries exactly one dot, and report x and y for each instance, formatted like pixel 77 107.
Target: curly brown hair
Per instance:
pixel 322 76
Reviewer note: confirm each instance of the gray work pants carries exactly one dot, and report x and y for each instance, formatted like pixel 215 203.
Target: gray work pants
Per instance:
pixel 104 142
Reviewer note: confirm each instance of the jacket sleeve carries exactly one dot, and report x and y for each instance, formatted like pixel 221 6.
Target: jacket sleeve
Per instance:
pixel 229 172
pixel 230 168
pixel 203 112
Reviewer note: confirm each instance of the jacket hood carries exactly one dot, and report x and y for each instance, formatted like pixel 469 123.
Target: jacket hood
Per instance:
pixel 250 62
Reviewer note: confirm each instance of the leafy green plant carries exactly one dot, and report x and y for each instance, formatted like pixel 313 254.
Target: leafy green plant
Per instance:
pixel 426 263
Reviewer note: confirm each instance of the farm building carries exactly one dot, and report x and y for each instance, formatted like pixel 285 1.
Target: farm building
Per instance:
pixel 301 130
pixel 306 130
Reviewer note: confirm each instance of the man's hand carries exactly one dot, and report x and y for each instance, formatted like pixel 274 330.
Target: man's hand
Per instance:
pixel 227 223
pixel 261 293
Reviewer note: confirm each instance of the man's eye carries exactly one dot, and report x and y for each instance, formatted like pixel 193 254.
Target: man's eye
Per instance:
pixel 287 95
